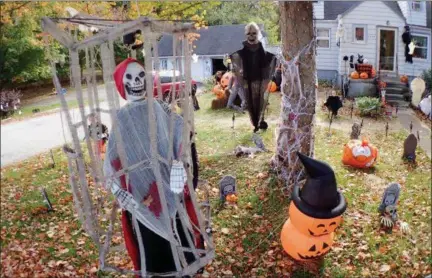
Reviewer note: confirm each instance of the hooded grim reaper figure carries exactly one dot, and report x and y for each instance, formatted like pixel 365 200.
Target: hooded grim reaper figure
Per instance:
pixel 140 187
pixel 253 67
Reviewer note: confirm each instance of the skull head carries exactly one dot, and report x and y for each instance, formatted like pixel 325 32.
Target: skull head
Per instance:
pixel 134 82
pixel 252 32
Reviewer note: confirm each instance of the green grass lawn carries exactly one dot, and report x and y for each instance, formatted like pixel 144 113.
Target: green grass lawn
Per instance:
pixel 33 241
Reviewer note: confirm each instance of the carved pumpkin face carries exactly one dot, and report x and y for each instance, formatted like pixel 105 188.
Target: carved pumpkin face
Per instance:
pixel 404 79
pixel 355 75
pixel 302 247
pixel 359 154
pixel 364 75
pixel 312 226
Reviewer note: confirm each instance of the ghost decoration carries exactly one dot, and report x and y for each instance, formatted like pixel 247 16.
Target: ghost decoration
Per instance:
pixel 425 106
pixel 418 86
pixel 130 80
pixel 340 32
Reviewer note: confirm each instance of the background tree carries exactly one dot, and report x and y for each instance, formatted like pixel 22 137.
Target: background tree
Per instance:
pixel 238 12
pixel 295 134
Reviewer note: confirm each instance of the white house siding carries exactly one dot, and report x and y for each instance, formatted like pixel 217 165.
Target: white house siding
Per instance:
pixel 371 14
pixel 327 58
pixel 413 17
pixel 418 65
pixel 318 10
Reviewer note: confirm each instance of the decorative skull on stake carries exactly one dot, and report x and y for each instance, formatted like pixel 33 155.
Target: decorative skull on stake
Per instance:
pixel 133 84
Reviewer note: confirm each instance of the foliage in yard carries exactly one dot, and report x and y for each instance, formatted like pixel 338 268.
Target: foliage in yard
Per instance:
pixel 367 105
pixel 427 77
pixel 246 234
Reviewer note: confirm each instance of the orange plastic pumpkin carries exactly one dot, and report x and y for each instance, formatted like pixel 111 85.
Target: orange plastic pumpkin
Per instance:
pixel 272 87
pixel 404 79
pixel 232 198
pixel 359 154
pixel 311 226
pixel 355 75
pixel 373 73
pixel 218 91
pixel 302 247
pixel 226 79
pixel 364 75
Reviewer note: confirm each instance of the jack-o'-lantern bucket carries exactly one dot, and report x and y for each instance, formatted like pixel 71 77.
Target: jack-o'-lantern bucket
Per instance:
pixel 315 212
pixel 359 154
pixel 302 247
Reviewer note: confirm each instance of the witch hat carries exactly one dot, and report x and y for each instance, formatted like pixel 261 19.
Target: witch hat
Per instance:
pixel 319 197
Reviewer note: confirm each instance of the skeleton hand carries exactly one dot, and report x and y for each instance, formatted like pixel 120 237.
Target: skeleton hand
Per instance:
pixel 404 227
pixel 386 221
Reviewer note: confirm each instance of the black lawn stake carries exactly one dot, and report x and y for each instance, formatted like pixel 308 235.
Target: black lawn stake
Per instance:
pixel 411 127
pixel 352 108
pixel 361 124
pixel 386 129
pixel 46 200
pixel 331 121
pixel 233 120
pixel 52 158
pixel 418 135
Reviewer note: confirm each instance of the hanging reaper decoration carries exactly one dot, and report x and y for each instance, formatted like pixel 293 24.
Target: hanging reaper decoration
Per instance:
pixel 407 39
pixel 254 67
pixel 139 187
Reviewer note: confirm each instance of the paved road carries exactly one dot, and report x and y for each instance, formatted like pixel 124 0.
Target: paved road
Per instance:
pixel 23 139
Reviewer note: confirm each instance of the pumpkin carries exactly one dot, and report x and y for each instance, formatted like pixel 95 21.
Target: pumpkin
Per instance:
pixel 404 79
pixel 232 198
pixel 272 87
pixel 359 154
pixel 219 92
pixel 226 79
pixel 303 247
pixel 364 75
pixel 355 75
pixel 311 226
pixel 373 73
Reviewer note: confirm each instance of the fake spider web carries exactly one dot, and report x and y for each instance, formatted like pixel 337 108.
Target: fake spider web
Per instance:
pixel 144 146
pixel 295 130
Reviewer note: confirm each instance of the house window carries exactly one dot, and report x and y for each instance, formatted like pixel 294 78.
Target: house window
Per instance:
pixel 359 34
pixel 421 49
pixel 323 38
pixel 416 6
pixel 163 64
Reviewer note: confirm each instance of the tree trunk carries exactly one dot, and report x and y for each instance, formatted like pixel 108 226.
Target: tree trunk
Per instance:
pixel 298 90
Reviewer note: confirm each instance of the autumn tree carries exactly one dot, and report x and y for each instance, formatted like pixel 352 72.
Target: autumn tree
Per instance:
pixel 298 101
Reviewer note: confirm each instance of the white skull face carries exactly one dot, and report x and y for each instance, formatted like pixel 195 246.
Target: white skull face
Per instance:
pixel 134 82
pixel 252 35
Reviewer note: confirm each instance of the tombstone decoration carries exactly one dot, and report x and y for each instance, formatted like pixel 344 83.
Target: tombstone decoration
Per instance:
pixel 148 153
pixel 227 186
pixel 46 200
pixel 253 68
pixel 355 131
pixel 388 209
pixel 410 146
pixel 246 151
pixel 315 212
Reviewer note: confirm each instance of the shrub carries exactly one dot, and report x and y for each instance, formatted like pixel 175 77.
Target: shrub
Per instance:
pixel 208 84
pixel 9 102
pixel 427 77
pixel 367 105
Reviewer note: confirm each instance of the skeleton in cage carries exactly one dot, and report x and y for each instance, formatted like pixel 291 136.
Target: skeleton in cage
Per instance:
pixel 141 186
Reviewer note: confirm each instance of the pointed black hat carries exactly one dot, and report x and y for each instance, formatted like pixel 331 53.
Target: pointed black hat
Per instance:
pixel 319 196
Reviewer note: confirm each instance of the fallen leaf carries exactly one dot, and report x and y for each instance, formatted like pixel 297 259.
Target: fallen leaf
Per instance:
pixel 225 230
pixel 384 268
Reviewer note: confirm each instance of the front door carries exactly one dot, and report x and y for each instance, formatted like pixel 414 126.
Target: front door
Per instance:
pixel 387 49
